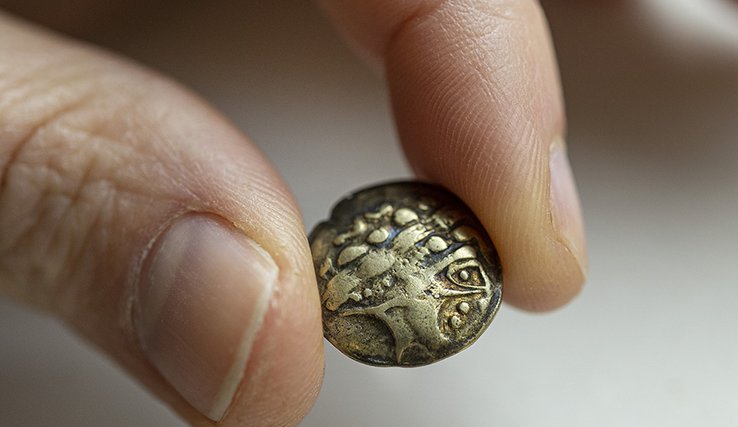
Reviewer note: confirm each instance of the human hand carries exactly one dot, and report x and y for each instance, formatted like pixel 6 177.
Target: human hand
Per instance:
pixel 119 185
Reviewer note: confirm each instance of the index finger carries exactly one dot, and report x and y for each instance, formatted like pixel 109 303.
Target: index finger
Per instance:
pixel 478 106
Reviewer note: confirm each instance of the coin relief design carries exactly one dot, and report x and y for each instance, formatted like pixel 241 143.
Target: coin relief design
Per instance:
pixel 407 276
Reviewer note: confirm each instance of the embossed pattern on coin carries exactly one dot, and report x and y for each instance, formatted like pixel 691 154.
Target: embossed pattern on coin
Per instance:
pixel 406 273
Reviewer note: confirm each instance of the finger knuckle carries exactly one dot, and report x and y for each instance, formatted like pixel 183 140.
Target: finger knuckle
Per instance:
pixel 57 188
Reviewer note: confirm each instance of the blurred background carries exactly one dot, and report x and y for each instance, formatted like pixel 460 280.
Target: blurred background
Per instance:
pixel 652 96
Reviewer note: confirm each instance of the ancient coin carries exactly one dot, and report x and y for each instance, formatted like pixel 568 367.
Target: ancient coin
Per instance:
pixel 406 273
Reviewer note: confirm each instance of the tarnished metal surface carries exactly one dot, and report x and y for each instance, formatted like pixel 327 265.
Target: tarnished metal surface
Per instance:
pixel 407 275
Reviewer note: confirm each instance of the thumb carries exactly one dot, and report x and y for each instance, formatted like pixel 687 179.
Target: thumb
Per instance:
pixel 143 220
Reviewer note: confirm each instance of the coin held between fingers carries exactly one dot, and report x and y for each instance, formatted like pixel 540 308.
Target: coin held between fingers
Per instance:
pixel 406 273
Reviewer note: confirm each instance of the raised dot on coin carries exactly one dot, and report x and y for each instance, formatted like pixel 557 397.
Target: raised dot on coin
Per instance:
pixel 462 234
pixel 351 253
pixel 436 244
pixel 355 296
pixel 367 293
pixel 464 307
pixel 405 216
pixel 455 321
pixel 377 236
pixel 464 275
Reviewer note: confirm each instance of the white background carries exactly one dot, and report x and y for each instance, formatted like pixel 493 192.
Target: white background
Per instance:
pixel 652 339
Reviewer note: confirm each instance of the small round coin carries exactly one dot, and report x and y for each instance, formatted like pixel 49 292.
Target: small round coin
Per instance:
pixel 406 273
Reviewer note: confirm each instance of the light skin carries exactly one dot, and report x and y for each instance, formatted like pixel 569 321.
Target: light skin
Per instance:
pixel 141 218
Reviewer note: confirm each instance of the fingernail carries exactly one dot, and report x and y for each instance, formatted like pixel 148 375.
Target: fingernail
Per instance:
pixel 565 208
pixel 201 300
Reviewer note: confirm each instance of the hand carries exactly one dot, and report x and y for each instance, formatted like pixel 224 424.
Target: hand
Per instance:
pixel 143 220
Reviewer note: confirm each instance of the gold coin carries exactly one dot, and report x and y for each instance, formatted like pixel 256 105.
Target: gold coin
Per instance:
pixel 406 273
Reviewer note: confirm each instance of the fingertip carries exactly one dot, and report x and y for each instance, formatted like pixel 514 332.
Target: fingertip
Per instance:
pixel 285 372
pixel 215 315
pixel 541 286
pixel 552 271
pixel 476 95
pixel 478 105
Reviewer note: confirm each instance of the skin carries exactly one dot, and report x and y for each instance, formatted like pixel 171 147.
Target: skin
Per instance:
pixel 93 165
